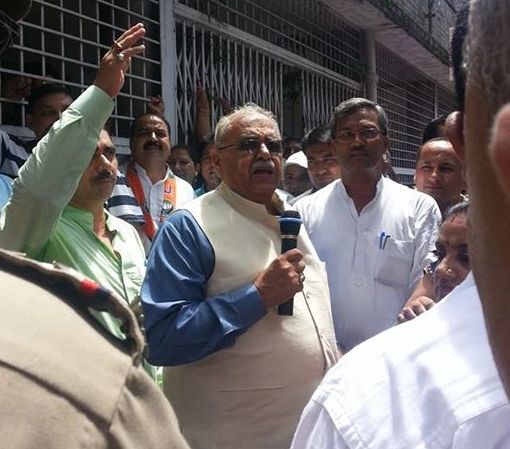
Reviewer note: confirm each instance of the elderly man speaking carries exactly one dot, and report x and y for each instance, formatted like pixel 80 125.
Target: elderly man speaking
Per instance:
pixel 240 372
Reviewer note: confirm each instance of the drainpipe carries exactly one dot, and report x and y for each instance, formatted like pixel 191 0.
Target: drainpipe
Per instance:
pixel 372 78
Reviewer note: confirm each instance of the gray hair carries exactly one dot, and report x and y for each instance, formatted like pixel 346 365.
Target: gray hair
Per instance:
pixel 225 122
pixel 487 58
pixel 353 105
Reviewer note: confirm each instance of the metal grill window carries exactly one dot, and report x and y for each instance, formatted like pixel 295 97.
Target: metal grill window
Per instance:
pixel 305 27
pixel 241 67
pixel 63 41
pixel 227 70
pixel 320 97
pixel 408 98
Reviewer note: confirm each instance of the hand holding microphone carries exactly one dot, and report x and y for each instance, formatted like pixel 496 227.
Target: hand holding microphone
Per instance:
pixel 284 277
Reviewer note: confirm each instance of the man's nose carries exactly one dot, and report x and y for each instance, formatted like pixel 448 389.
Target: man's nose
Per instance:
pixel 263 152
pixel 321 169
pixel 357 140
pixel 436 174
pixel 104 162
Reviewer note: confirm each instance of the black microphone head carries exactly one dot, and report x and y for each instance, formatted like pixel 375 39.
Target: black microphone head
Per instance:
pixel 290 222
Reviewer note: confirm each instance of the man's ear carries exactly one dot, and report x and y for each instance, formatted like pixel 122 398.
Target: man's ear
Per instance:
pixel 215 158
pixel 499 148
pixel 386 144
pixel 454 127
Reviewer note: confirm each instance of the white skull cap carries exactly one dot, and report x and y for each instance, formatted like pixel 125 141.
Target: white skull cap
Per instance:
pixel 298 158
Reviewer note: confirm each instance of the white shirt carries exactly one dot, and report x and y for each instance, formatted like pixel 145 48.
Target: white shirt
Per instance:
pixel 154 196
pixel 427 384
pixel 369 284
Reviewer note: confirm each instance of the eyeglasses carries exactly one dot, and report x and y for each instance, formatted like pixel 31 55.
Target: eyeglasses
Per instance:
pixel 251 146
pixel 366 134
pixel 9 30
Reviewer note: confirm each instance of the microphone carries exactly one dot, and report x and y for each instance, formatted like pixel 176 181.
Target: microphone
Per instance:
pixel 290 222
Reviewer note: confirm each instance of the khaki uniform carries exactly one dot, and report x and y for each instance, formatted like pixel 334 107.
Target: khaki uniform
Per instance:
pixel 64 381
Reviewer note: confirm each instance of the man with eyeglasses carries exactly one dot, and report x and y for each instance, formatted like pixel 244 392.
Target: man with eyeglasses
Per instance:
pixel 375 235
pixel 237 372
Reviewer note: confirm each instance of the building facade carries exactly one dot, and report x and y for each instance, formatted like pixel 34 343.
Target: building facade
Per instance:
pixel 298 58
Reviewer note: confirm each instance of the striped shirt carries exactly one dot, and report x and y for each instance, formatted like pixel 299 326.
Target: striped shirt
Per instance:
pixel 13 153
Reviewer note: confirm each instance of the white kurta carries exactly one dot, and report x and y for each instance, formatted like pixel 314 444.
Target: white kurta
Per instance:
pixel 368 284
pixel 429 383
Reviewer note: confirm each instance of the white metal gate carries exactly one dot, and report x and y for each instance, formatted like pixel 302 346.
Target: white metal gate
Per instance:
pixel 246 65
pixel 227 69
pixel 320 97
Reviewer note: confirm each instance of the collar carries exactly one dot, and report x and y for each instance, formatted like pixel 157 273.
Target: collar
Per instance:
pixel 145 177
pixel 255 211
pixel 378 189
pixel 86 218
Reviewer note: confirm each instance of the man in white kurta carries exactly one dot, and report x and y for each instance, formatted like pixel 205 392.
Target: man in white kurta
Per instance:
pixel 374 235
pixel 433 382
pixel 429 383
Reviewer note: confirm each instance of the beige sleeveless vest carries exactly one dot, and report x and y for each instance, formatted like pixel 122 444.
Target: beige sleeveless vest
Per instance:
pixel 251 395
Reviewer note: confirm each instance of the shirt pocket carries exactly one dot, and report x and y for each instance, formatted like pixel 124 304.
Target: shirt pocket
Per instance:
pixel 394 262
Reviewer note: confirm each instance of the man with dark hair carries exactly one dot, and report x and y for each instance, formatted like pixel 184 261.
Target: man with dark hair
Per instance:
pixel 64 380
pixel 148 190
pixel 45 107
pixel 291 145
pixel 56 212
pixel 375 235
pixel 433 382
pixel 323 166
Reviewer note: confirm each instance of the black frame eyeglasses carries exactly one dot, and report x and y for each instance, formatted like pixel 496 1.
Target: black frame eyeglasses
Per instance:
pixel 251 146
pixel 365 134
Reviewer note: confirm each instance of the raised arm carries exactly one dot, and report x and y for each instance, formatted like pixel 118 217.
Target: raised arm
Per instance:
pixel 50 176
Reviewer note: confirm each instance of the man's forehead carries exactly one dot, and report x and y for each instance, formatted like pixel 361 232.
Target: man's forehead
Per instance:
pixel 319 149
pixel 150 121
pixel 180 153
pixel 252 122
pixel 438 150
pixel 363 115
pixel 104 141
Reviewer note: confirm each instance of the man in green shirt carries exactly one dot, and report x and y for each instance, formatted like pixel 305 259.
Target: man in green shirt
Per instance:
pixel 56 210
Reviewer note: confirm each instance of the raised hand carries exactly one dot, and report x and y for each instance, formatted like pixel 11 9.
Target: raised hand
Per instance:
pixel 156 105
pixel 116 61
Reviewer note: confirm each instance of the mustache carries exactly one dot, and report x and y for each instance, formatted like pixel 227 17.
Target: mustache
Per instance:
pixel 151 143
pixel 104 175
pixel 263 165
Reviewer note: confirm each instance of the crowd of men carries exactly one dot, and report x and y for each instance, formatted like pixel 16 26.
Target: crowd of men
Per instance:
pixel 336 371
